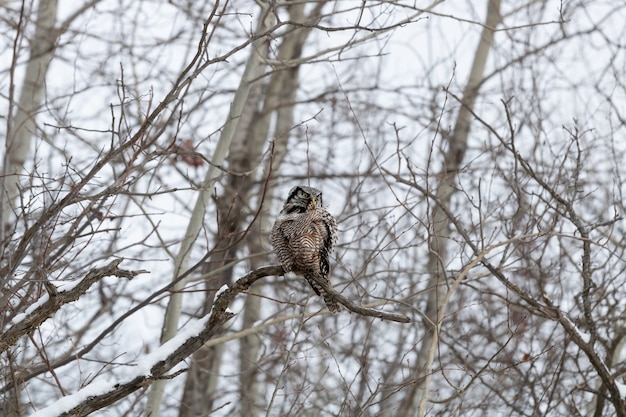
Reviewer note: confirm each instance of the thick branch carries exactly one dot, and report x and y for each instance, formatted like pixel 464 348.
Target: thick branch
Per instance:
pixel 57 299
pixel 219 315
pixel 159 370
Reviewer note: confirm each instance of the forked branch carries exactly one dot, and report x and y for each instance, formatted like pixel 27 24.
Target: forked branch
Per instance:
pixel 364 311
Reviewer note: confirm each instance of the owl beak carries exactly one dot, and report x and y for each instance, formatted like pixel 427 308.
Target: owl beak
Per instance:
pixel 313 201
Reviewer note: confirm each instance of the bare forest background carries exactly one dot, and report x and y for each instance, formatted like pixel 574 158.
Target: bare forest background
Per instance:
pixel 472 152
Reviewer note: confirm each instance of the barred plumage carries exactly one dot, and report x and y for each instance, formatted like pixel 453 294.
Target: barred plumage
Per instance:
pixel 303 237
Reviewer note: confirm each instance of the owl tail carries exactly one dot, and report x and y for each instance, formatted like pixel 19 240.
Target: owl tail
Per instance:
pixel 332 305
pixel 313 278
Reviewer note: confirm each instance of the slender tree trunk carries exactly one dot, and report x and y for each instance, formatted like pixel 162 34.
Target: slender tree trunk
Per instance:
pixel 234 207
pixel 279 101
pixel 172 314
pixel 417 397
pixel 20 132
pixel 22 128
pixel 245 154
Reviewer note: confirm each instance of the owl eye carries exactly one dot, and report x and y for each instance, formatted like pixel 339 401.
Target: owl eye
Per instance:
pixel 304 194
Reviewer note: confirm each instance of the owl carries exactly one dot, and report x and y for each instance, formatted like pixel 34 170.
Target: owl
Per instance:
pixel 303 238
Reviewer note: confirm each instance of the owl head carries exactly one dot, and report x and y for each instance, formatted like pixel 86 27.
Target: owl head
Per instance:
pixel 302 198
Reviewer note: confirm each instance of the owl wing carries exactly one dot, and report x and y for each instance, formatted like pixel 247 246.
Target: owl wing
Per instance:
pixel 325 251
pixel 330 236
pixel 280 243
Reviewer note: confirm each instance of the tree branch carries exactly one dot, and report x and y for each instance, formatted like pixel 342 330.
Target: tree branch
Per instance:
pixel 83 404
pixel 364 311
pixel 50 303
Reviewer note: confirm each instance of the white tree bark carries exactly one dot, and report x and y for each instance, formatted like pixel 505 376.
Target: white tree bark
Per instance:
pixel 172 314
pixel 244 156
pixel 415 403
pixel 22 127
pixel 279 101
pixel 20 132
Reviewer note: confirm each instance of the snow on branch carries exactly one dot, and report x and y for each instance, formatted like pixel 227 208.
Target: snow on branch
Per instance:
pixel 51 302
pixel 156 366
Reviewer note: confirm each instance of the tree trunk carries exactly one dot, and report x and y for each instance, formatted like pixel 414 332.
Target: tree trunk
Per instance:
pixel 234 208
pixel 20 133
pixel 279 100
pixel 22 129
pixel 416 399
pixel 237 113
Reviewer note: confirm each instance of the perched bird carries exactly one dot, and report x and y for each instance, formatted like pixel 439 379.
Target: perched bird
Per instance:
pixel 303 237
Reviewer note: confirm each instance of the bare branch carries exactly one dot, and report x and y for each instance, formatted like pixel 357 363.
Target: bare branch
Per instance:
pixel 364 311
pixel 55 299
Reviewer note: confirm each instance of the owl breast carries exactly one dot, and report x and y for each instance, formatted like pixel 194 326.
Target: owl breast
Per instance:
pixel 303 237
